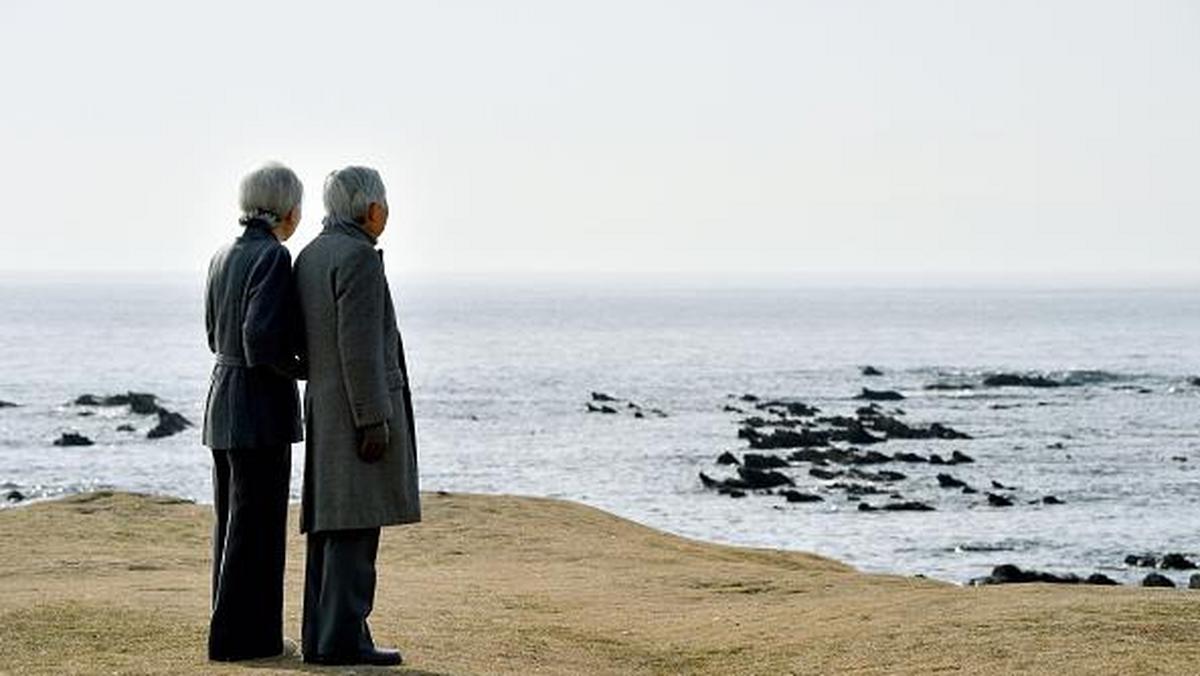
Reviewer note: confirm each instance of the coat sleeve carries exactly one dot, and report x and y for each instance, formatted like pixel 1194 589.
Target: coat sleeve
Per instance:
pixel 209 314
pixel 359 292
pixel 268 325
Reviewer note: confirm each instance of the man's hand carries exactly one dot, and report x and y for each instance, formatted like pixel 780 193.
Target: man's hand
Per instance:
pixel 373 441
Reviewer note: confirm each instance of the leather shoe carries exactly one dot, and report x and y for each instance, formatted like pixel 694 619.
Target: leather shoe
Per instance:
pixel 379 657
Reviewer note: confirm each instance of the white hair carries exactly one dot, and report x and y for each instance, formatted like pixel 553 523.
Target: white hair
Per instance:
pixel 349 191
pixel 270 192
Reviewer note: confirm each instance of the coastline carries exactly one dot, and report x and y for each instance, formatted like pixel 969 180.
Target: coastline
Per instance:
pixel 117 582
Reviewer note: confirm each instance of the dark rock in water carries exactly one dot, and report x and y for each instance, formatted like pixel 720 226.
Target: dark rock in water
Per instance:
pixel 958 457
pixel 870 371
pixel 86 414
pixel 781 407
pixel 7 404
pixel 812 455
pixel 797 496
pixel 658 412
pixel 883 476
pixel 857 489
pixel 639 414
pixel 879 395
pixel 857 434
pixel 732 409
pixel 142 403
pixel 967 490
pixel 1141 560
pixel 1194 381
pixel 1052 500
pixel 1056 446
pixel 998 500
pixel 947 481
pixel 87 400
pixel 14 496
pixel 169 422
pixel 911 506
pixel 756 461
pixel 748 398
pixel 869 411
pixel 824 475
pixel 1101 579
pixel 1009 574
pixel 935 459
pixel 1157 580
pixel 908 457
pixel 896 429
pixel 782 438
pixel 126 428
pixel 936 387
pixel 600 396
pixel 1019 380
pixel 1176 561
pixel 727 458
pixel 763 479
pixel 732 492
pixel 592 408
pixel 1194 581
pixel 1001 487
pixel 708 481
pixel 72 439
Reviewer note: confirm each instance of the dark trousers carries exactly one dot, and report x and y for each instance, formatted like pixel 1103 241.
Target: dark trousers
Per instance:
pixel 339 591
pixel 250 496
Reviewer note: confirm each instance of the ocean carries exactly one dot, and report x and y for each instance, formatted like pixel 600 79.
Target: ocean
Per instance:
pixel 503 373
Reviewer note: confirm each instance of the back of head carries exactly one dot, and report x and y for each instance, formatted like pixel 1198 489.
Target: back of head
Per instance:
pixel 350 191
pixel 269 193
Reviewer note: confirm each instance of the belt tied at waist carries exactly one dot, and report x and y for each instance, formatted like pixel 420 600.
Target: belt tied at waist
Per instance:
pixel 230 360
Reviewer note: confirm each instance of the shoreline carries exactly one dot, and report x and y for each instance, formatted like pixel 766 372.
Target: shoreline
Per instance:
pixel 118 582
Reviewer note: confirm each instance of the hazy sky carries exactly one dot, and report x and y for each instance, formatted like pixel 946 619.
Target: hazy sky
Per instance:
pixel 928 139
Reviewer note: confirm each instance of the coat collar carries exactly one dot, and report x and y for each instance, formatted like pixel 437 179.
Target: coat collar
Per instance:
pixel 348 228
pixel 257 230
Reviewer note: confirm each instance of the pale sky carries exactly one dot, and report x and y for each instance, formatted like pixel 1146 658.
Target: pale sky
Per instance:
pixel 842 138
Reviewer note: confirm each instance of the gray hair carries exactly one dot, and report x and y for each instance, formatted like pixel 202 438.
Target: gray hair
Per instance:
pixel 349 191
pixel 269 192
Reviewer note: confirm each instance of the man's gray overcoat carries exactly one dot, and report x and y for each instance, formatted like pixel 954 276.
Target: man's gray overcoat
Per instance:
pixel 356 378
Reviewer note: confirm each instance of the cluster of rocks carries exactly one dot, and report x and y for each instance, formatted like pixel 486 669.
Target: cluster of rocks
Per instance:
pixel 610 405
pixel 1172 561
pixel 1011 574
pixel 139 403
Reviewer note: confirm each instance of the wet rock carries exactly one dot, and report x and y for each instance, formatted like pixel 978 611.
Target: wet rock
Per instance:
pixel 1056 446
pixel 784 438
pixel 967 490
pixel 857 489
pixel 857 434
pixel 896 429
pixel 601 396
pixel 879 395
pixel 1101 579
pixel 754 478
pixel 732 492
pixel 910 506
pixel 1194 581
pixel 86 414
pixel 870 371
pixel 1019 380
pixel 732 409
pixel 824 475
pixel 709 482
pixel 639 414
pixel 592 408
pixel 1141 560
pixel 757 461
pixel 935 459
pixel 883 476
pixel 126 427
pixel 1001 487
pixel 658 413
pixel 909 457
pixel 783 407
pixel 169 422
pixel 1157 580
pixel 869 411
pixel 1194 381
pixel 1052 500
pixel 958 457
pixel 797 496
pixel 141 403
pixel 1009 574
pixel 1176 561
pixel 947 481
pixel 748 398
pixel 949 387
pixel 727 458
pixel 998 500
pixel 7 404
pixel 14 496
pixel 813 455
pixel 72 439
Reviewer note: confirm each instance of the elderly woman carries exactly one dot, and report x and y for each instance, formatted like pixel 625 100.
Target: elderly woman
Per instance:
pixel 252 416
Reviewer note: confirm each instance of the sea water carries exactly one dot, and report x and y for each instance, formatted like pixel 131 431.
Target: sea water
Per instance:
pixel 502 374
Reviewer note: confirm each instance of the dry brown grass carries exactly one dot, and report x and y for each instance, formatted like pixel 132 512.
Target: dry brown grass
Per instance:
pixel 118 583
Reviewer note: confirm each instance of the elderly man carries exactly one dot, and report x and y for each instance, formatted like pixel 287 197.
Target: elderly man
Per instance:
pixel 360 470
pixel 252 416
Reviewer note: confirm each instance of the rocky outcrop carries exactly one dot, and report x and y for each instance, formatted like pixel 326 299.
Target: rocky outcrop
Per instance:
pixel 73 439
pixel 7 404
pixel 757 461
pixel 169 422
pixel 727 458
pixel 999 500
pixel 796 496
pixel 870 371
pixel 868 394
pixel 1175 561
pixel 1009 574
pixel 1019 380
pixel 1157 580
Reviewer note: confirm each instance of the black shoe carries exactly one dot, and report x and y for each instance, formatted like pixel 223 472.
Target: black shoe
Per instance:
pixel 379 657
